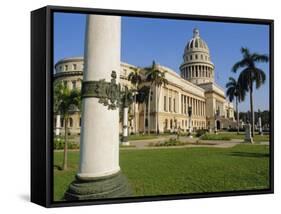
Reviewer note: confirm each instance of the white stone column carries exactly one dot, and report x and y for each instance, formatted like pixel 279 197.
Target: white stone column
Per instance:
pixel 58 125
pixel 99 151
pixel 99 144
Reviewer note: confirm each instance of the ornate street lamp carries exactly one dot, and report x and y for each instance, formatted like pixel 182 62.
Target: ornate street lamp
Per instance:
pixel 217 113
pixel 127 99
pixel 259 123
pixel 190 122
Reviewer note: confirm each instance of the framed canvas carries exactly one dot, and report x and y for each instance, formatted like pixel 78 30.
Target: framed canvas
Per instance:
pixel 132 106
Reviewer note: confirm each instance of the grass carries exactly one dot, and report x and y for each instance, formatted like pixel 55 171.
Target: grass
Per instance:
pixel 215 137
pixel 185 170
pixel 234 135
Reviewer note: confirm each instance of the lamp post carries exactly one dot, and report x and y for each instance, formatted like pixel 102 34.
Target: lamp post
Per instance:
pixel 217 113
pixel 260 123
pixel 127 99
pixel 189 121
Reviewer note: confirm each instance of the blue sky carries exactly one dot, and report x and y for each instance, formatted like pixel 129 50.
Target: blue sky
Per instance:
pixel 163 40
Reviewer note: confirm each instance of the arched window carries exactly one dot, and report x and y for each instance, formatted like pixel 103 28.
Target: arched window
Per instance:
pixel 171 124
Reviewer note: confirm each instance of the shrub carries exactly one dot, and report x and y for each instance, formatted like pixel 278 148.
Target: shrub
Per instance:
pixel 59 144
pixel 215 137
pixel 200 132
pixel 170 142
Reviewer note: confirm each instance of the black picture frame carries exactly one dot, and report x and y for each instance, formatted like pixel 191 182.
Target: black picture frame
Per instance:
pixel 41 104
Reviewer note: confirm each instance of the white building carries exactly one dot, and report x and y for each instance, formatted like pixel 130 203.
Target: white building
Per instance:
pixel 195 87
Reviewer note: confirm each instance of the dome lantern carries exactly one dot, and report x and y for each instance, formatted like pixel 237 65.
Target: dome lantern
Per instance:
pixel 195 33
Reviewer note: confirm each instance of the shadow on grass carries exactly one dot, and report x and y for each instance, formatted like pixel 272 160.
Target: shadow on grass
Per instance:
pixel 249 154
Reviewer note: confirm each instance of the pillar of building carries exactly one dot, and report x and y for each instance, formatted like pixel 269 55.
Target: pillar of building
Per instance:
pixel 125 141
pixel 99 174
pixel 58 125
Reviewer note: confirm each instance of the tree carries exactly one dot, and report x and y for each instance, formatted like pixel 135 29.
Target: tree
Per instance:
pixel 250 76
pixel 156 77
pixel 65 102
pixel 234 89
pixel 135 78
pixel 142 97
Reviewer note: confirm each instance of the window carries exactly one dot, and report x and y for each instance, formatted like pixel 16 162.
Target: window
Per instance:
pixel 166 123
pixel 80 121
pixel 66 67
pixel 61 122
pixel 201 56
pixel 165 103
pixel 174 104
pixel 74 84
pixel 171 124
pixel 196 56
pixel 74 66
pixel 170 104
pixel 190 57
pixel 60 68
pixel 70 122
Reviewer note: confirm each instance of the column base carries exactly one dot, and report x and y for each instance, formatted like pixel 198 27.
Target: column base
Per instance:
pixel 113 186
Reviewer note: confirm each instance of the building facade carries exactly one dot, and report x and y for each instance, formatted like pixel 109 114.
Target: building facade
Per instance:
pixel 194 87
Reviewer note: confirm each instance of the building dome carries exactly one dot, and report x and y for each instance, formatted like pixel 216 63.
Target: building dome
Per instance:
pixel 196 43
pixel 197 66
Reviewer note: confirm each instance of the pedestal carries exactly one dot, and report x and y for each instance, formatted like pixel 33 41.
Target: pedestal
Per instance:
pixel 248 134
pixel 99 173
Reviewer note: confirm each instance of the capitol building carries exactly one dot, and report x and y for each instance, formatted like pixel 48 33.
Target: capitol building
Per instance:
pixel 195 87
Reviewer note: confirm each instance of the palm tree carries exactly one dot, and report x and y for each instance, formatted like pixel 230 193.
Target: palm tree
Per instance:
pixel 135 78
pixel 234 89
pixel 157 78
pixel 142 97
pixel 65 101
pixel 250 75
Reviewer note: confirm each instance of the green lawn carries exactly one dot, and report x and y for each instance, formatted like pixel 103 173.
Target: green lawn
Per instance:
pixel 185 170
pixel 234 135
